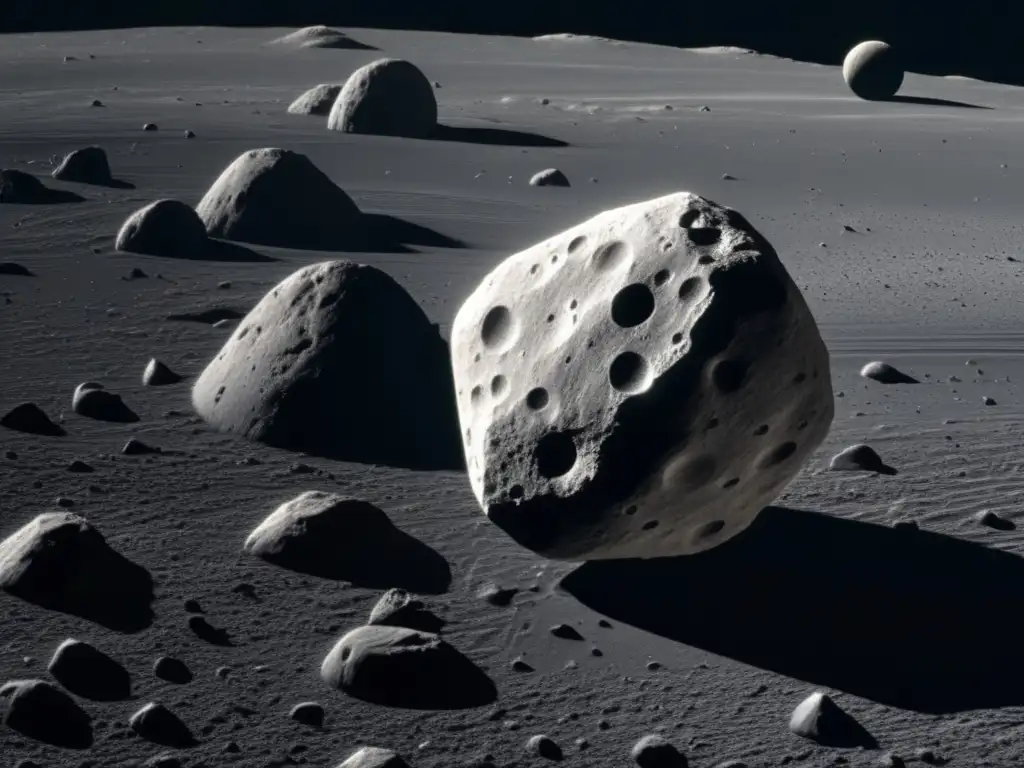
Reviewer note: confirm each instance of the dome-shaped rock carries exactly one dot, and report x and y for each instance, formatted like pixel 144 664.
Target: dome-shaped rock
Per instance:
pixel 156 723
pixel 31 419
pixel 820 719
pixel 87 166
pixel 387 97
pixel 320 36
pixel 94 401
pixel 41 711
pixel 373 757
pixel 550 177
pixel 88 672
pixel 163 228
pixel 318 100
pixel 24 188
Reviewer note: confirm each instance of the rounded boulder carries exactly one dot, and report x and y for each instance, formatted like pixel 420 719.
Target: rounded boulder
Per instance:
pixel 387 97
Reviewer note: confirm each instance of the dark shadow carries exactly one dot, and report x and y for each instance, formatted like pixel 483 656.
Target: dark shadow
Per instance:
pixel 14 269
pixel 97 182
pixel 204 630
pixel 31 419
pixel 208 316
pixel 222 250
pixel 43 712
pixel 929 102
pixel 382 233
pixel 90 673
pixel 495 136
pixel 903 617
pixel 49 196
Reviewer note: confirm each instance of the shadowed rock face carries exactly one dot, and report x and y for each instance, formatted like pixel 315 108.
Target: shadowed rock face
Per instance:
pixel 320 36
pixel 873 70
pixel 31 419
pixel 87 166
pixel 163 228
pixel 339 361
pixel 388 97
pixel 45 713
pixel 24 188
pixel 88 672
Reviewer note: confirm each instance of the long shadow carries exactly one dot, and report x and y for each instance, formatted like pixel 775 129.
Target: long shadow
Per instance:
pixel 903 617
pixel 383 233
pixel 222 250
pixel 930 102
pixel 495 136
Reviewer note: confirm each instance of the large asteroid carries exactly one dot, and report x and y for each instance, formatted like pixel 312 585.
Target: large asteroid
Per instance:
pixel 641 385
pixel 872 70
pixel 43 712
pixel 163 228
pixel 387 97
pixel 339 361
pixel 279 198
pixel 318 100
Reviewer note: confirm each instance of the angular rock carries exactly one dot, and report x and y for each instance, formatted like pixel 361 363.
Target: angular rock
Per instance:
pixel 318 100
pixel 279 198
pixel 552 177
pixel 154 722
pixel 873 70
pixel 395 666
pixel 641 385
pixel 397 608
pixel 654 751
pixel 24 188
pixel 326 364
pixel 820 719
pixel 43 712
pixel 172 670
pixel 337 537
pixel 157 374
pixel 373 757
pixel 994 520
pixel 308 713
pixel 88 672
pixel 86 166
pixel 166 228
pixel 31 419
pixel 496 595
pixel 319 36
pixel 860 458
pixel 95 402
pixel 886 374
pixel 566 632
pixel 544 746
pixel 387 97
pixel 136 447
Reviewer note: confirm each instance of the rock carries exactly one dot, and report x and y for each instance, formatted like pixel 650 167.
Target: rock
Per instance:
pixel 61 562
pixel 544 746
pixel 136 447
pixel 552 177
pixel 654 751
pixel 43 712
pixel 820 719
pixel 318 100
pixel 387 97
pixel 95 402
pixel 150 127
pixel 166 228
pixel 397 608
pixel 88 672
pixel 373 757
pixel 86 166
pixel 988 401
pixel 157 374
pixel 641 385
pixel 395 666
pixel 323 365
pixel 189 134
pixel 80 467
pixel 154 722
pixel 308 713
pixel 279 198
pixel 204 630
pixel 172 670
pixel 990 519
pixel 872 70
pixel 860 458
pixel 30 418
pixel 495 595
pixel 14 269
pixel 338 537
pixel 566 632
pixel 319 36
pixel 886 374
pixel 24 188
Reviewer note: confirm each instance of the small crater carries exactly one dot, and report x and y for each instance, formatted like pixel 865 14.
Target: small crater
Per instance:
pixel 709 529
pixel 731 483
pixel 551 318
pixel 704 235
pixel 712 424
pixel 762 430
pixel 475 394
pixel 662 277
pixel 650 525
pixel 705 259
pixel 573 304
pixel 534 269
pixel 576 243
pixel 537 399
pixel 688 219
pixel 729 375
pixel 688 289
pixel 611 256
pixel 629 373
pixel 555 455
pixel 778 455
pixel 677 338
pixel 499 386
pixel 516 492
pixel 498 328
pixel 632 305
pixel 554 258
pixel 698 472
pixel 631 509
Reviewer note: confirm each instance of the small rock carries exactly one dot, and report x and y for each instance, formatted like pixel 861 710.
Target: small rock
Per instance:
pixel 88 672
pixel 79 466
pixel 728 177
pixel 860 458
pixel 550 177
pixel 886 374
pixel 95 402
pixel 64 502
pixel 154 722
pixel 820 719
pixel 14 269
pixel 988 401
pixel 654 751
pixel 163 761
pixel 157 374
pixel 202 629
pixel 308 713
pixel 374 757
pixel 496 595
pixel 544 746
pixel 149 127
pixel 135 447
pixel 566 632
pixel 97 103
pixel 520 665
pixel 189 135
pixel 193 606
pixel 172 670
pixel 30 418
pixel 397 608
pixel 43 712
pixel 990 519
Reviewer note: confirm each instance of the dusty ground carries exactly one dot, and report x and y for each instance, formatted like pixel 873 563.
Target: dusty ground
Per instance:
pixel 917 634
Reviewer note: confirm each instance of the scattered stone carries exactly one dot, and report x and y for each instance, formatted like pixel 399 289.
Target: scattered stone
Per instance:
pixel 24 188
pixel 495 595
pixel 395 666
pixel 135 447
pixel 988 401
pixel 994 520
pixel 64 502
pixel 397 608
pixel 654 751
pixel 157 374
pixel 551 177
pixel 189 134
pixel 544 746
pixel 318 100
pixel 86 166
pixel 860 458
pixel 566 632
pixel 538 436
pixel 308 713
pixel 166 228
pixel 279 198
pixel 95 402
pixel 873 71
pixel 319 36
pixel 154 722
pixel 387 97
pixel 373 757
pixel 43 712
pixel 886 374
pixel 88 672
pixel 889 760
pixel 30 418
pixel 14 270
pixel 284 377
pixel 150 127
pixel 820 719
pixel 172 670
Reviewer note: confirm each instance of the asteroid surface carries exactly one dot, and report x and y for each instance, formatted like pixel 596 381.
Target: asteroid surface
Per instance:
pixel 318 100
pixel 387 97
pixel 640 385
pixel 873 70
pixel 163 228
pixel 42 711
pixel 279 198
pixel 337 360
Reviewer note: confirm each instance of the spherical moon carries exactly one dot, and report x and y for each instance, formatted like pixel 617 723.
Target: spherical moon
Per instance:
pixel 872 70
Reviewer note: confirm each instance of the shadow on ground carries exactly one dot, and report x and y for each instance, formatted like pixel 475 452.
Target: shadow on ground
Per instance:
pixel 494 136
pixel 929 102
pixel 903 617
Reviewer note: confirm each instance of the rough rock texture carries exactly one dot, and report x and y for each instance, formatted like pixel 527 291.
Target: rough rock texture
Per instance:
pixel 279 198
pixel 387 97
pixel 88 672
pixel 324 364
pixel 31 419
pixel 873 70
pixel 319 36
pixel 43 712
pixel 397 608
pixel 318 100
pixel 157 374
pixel 860 458
pixel 550 177
pixel 334 536
pixel 820 719
pixel 400 667
pixel 154 722
pixel 373 757
pixel 87 166
pixel 95 402
pixel 163 228
pixel 640 385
